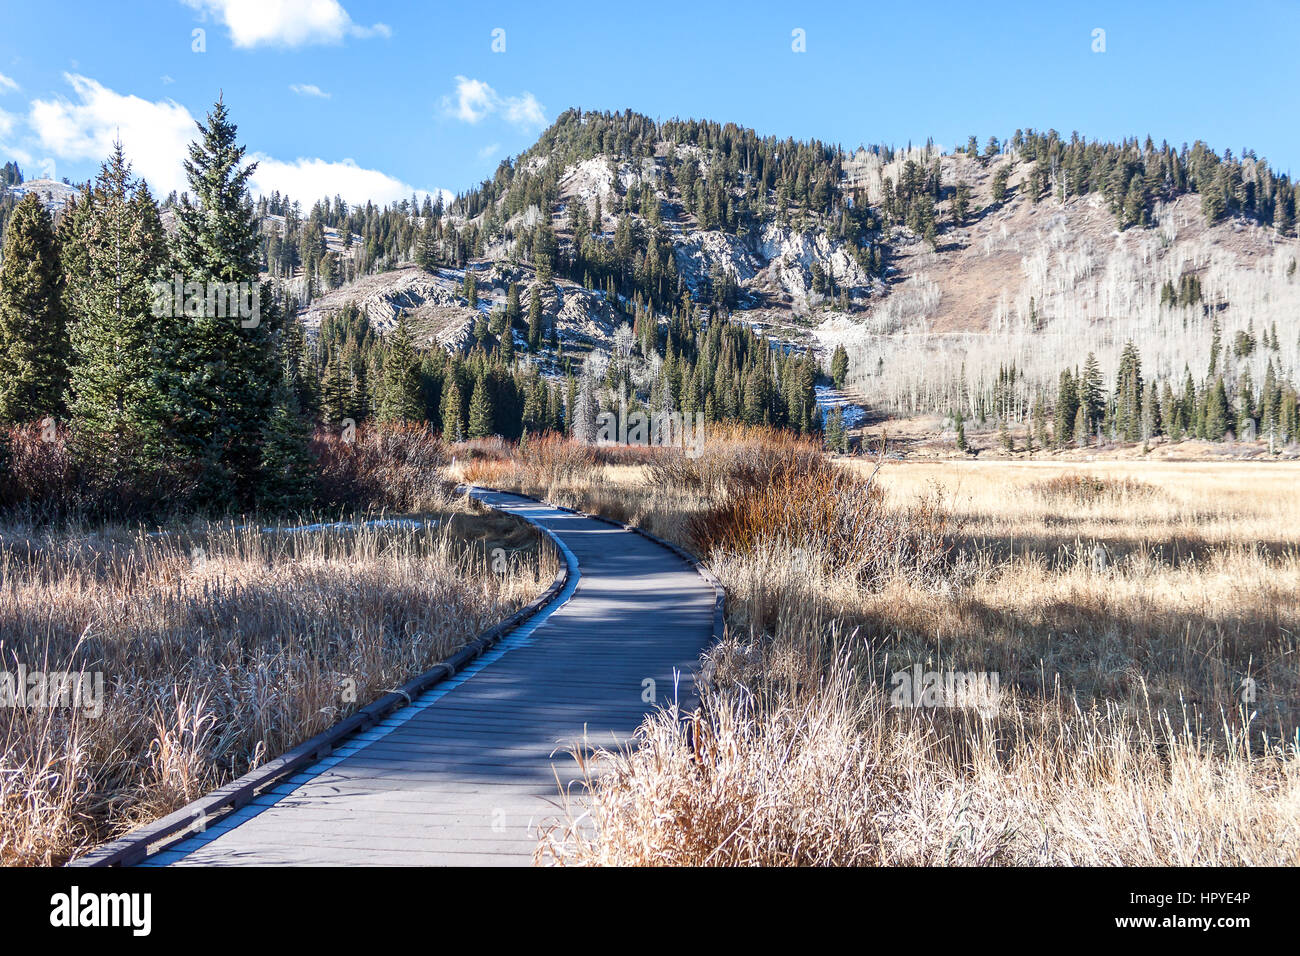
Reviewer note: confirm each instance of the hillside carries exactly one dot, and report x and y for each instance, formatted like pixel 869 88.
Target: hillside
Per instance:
pixel 937 271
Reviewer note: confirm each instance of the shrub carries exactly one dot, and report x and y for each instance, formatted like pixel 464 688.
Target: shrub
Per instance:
pixel 1091 489
pixel 837 518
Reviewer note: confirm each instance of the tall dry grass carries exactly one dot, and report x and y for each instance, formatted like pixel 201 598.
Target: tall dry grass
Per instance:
pixel 1121 613
pixel 220 647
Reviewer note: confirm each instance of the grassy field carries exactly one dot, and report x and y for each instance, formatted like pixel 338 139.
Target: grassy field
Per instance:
pixel 219 646
pixel 1141 619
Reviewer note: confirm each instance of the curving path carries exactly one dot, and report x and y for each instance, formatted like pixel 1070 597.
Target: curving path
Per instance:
pixel 467 772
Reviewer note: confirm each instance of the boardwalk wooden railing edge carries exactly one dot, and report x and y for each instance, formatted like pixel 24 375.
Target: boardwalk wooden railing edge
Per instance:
pixel 136 845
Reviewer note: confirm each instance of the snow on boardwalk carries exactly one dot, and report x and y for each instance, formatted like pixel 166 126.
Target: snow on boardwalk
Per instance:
pixel 467 773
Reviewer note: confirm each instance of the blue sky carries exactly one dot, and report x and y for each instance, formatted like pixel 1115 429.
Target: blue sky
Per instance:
pixel 374 99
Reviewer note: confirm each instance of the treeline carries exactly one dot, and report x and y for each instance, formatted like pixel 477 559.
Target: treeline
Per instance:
pixel 688 363
pixel 1133 177
pixel 158 397
pixel 1223 404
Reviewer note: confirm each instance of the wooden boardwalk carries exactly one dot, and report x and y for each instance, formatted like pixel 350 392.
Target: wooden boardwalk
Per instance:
pixel 466 774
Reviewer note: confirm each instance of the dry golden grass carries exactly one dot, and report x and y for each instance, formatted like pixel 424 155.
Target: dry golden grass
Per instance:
pixel 1200 504
pixel 1121 604
pixel 221 647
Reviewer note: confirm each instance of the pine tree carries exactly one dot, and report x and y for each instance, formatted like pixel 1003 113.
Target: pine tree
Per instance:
pixel 1128 394
pixel 513 310
pixel 453 419
pixel 839 366
pixel 426 249
pixel 1039 426
pixel 286 478
pixel 221 390
pixel 534 321
pixel 480 410
pixel 833 434
pixel 113 249
pixel 399 398
pixel 1216 411
pixel 1091 395
pixel 335 390
pixel 1067 409
pixel 33 329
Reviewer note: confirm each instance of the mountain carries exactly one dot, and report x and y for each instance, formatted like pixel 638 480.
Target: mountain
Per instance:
pixel 54 194
pixel 939 271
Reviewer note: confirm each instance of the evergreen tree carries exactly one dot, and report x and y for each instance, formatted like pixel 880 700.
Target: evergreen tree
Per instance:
pixel 534 321
pixel 1067 409
pixel 834 434
pixel 1216 411
pixel 839 366
pixel 585 410
pixel 453 419
pixel 221 390
pixel 426 250
pixel 480 410
pixel 113 249
pixel 286 478
pixel 1039 425
pixel 1091 395
pixel 33 329
pixel 513 311
pixel 1128 395
pixel 400 399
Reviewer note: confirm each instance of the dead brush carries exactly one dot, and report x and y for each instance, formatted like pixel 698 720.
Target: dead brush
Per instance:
pixel 1092 490
pixel 841 518
pixel 552 459
pixel 734 460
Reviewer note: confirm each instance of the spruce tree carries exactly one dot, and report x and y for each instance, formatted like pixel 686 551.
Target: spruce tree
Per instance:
pixel 453 419
pixel 480 410
pixel 221 391
pixel 839 366
pixel 33 329
pixel 513 310
pixel 399 399
pixel 1216 411
pixel 534 321
pixel 286 476
pixel 114 248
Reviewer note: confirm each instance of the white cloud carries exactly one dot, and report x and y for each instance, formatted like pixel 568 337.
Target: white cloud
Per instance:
pixel 156 136
pixel 166 80
pixel 487 151
pixel 524 111
pixel 7 123
pixel 153 134
pixel 475 99
pixel 285 22
pixel 7 84
pixel 310 179
pixel 309 89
